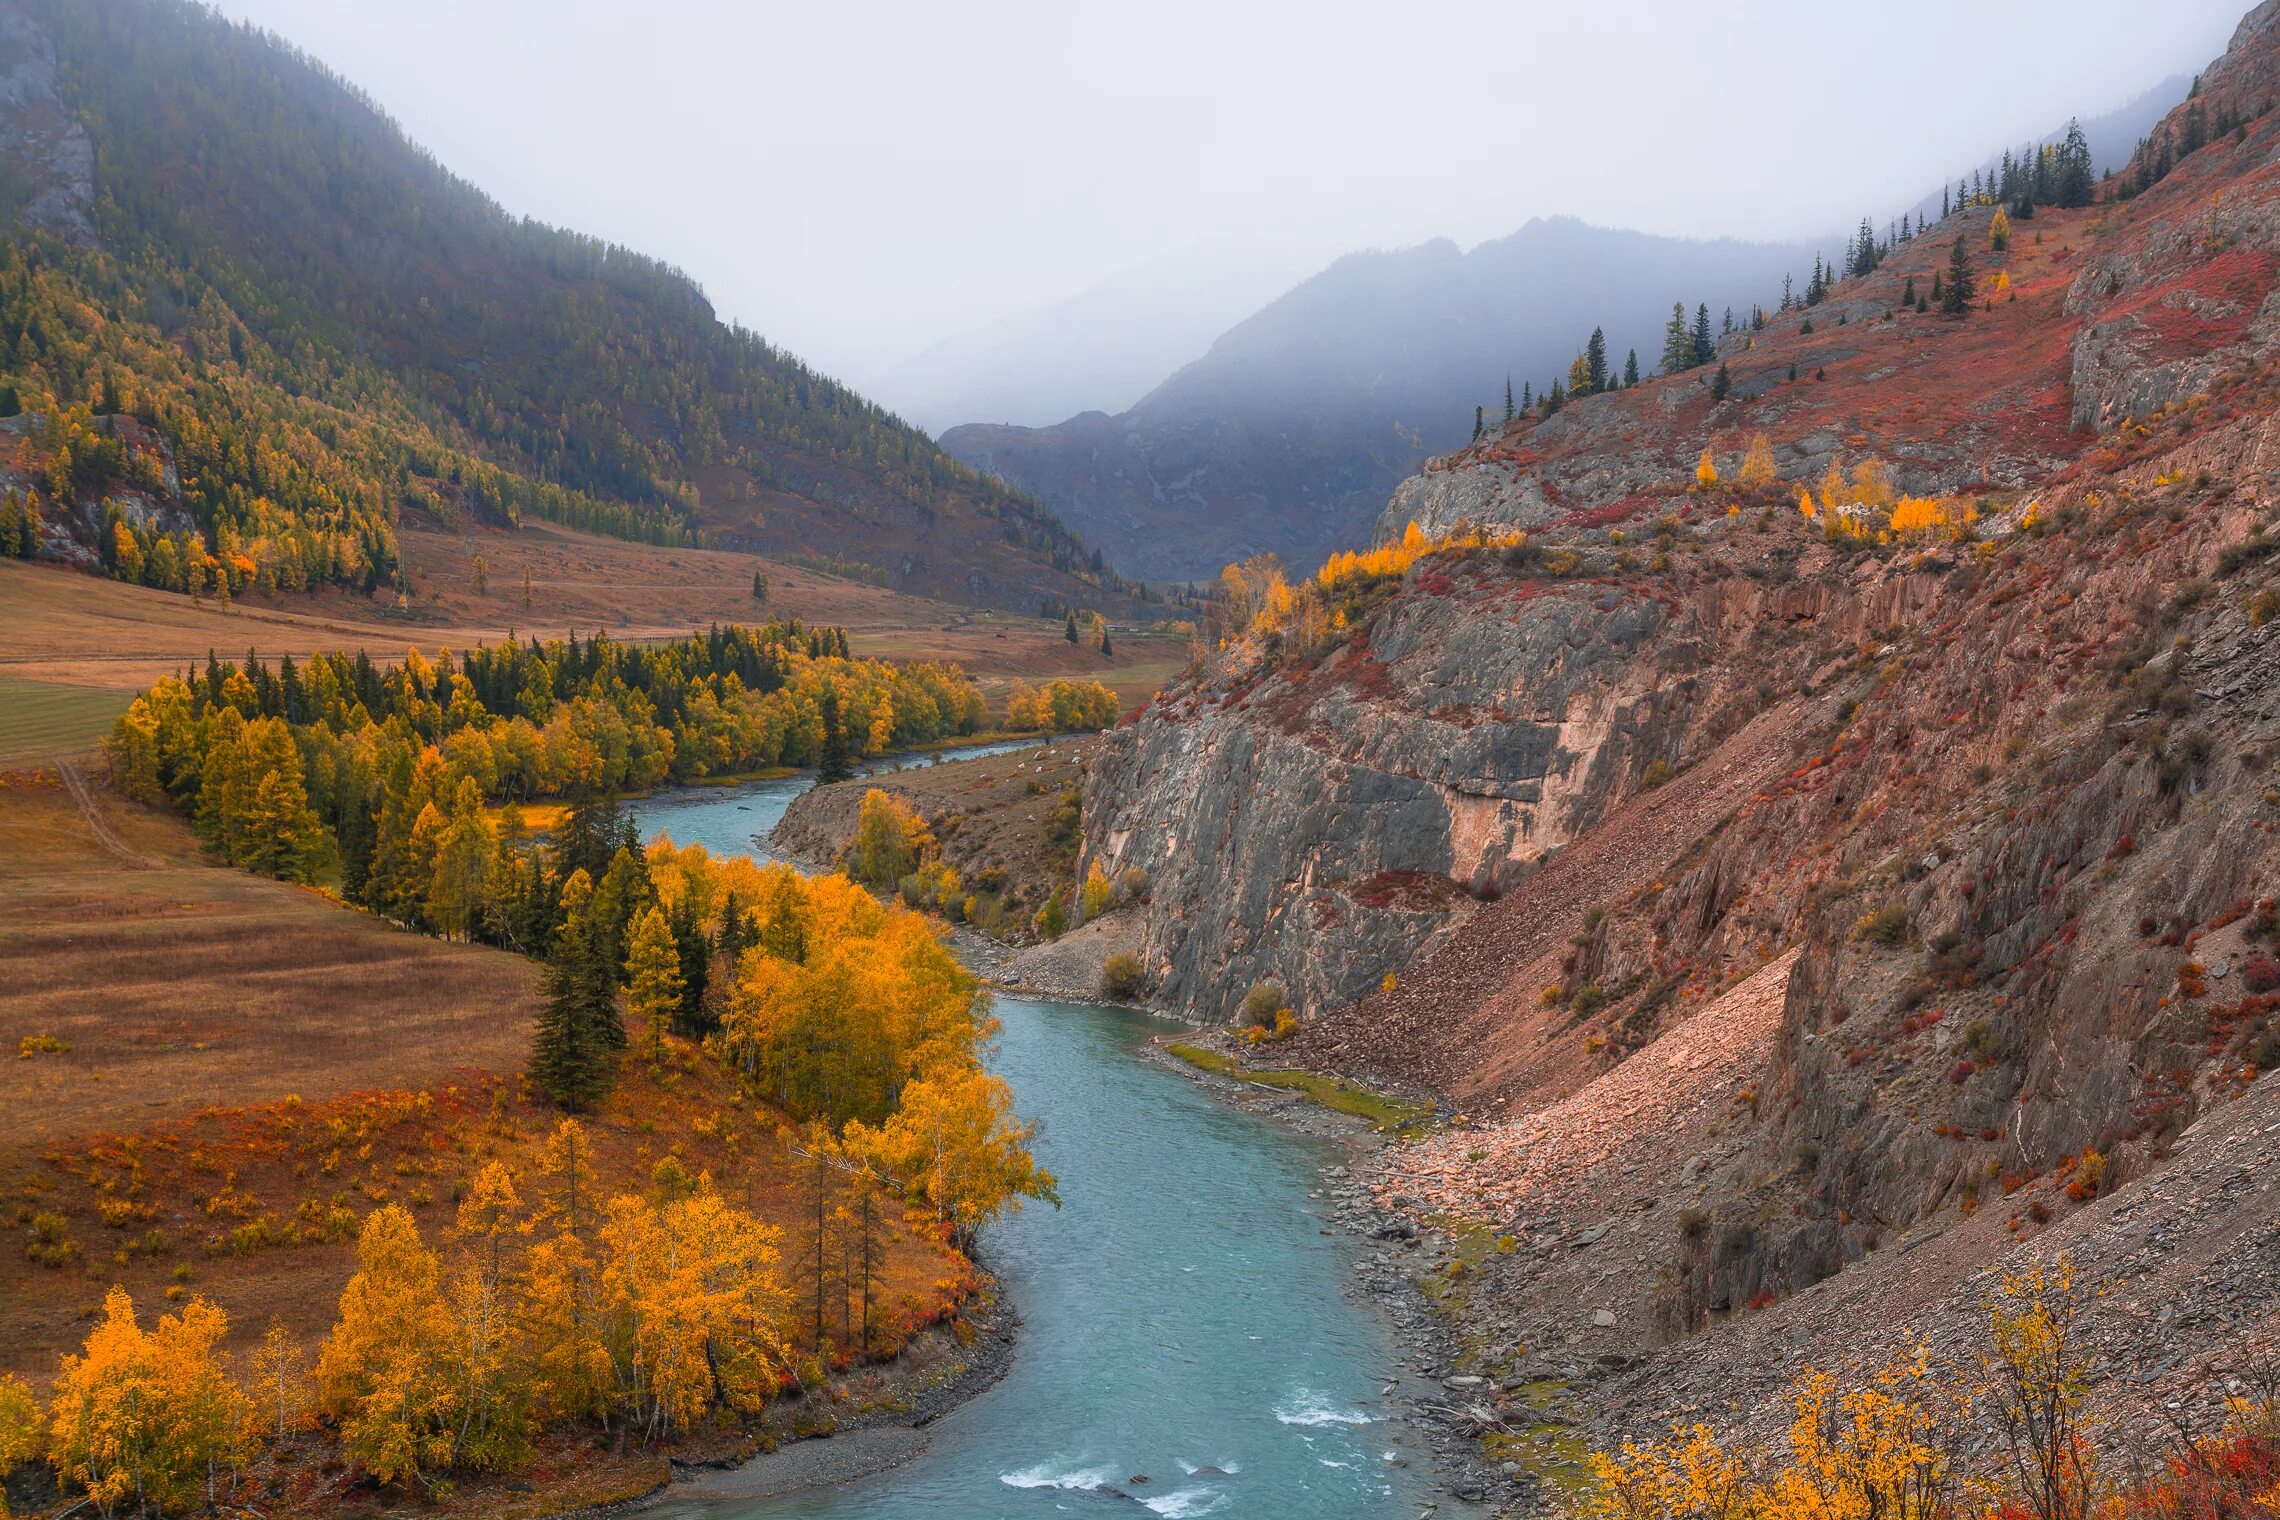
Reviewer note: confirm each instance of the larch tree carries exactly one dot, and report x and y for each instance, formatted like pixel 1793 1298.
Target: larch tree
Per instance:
pixel 955 1143
pixel 1757 472
pixel 385 1374
pixel 653 980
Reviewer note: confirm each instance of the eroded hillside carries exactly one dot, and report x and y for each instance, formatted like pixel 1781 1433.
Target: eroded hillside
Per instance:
pixel 1783 889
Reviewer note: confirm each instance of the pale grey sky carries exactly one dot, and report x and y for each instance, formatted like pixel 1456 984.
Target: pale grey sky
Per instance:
pixel 860 178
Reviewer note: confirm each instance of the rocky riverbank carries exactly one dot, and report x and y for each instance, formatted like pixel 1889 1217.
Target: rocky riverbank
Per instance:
pixel 1399 1273
pixel 874 1421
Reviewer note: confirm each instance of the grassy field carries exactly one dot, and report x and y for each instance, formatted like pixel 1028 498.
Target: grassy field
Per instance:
pixel 41 723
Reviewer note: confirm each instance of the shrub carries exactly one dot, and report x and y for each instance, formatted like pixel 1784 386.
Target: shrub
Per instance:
pixel 890 840
pixel 1888 925
pixel 1121 976
pixel 1260 1005
pixel 2260 973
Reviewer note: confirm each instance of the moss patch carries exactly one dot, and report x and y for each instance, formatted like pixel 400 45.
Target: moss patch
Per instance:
pixel 1397 1116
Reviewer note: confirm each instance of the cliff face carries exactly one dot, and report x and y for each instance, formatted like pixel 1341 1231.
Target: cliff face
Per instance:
pixel 1977 823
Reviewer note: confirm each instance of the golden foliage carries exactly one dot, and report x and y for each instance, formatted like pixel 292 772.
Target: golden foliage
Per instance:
pixel 1705 471
pixel 955 1143
pixel 1064 707
pixel 148 1416
pixel 891 840
pixel 1757 472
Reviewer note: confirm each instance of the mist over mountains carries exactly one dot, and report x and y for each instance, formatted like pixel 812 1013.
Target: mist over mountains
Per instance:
pixel 1290 430
pixel 1289 433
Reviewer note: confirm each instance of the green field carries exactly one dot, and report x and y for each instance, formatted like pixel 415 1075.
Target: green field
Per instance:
pixel 40 722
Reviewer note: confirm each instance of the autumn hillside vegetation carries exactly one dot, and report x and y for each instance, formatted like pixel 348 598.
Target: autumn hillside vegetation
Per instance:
pixel 806 1058
pixel 2008 1433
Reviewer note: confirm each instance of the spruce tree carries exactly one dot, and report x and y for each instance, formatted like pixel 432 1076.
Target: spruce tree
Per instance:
pixel 1631 369
pixel 1069 629
pixel 1507 398
pixel 1678 343
pixel 1705 347
pixel 1595 359
pixel 836 760
pixel 1480 422
pixel 1722 385
pixel 1527 397
pixel 571 1049
pixel 1955 300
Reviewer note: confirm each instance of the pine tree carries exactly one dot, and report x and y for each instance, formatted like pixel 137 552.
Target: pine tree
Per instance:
pixel 694 952
pixel 1631 369
pixel 1527 398
pixel 1508 398
pixel 1955 299
pixel 1107 649
pixel 1721 386
pixel 1705 347
pixel 1480 422
pixel 759 586
pixel 1595 359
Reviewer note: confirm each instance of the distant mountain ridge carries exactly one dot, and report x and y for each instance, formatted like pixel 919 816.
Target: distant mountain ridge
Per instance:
pixel 1290 432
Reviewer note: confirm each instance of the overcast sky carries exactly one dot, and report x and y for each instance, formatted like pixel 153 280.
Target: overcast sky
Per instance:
pixel 857 180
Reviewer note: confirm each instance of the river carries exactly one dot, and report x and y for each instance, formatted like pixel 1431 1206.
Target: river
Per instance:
pixel 1185 1314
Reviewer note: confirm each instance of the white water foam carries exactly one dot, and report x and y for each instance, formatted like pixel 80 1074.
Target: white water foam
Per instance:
pixel 1046 1475
pixel 1307 1407
pixel 1191 1469
pixel 1185 1503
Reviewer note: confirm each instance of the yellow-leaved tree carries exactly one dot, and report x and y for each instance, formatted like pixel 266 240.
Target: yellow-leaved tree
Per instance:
pixel 1706 471
pixel 955 1143
pixel 890 840
pixel 386 1373
pixel 1099 892
pixel 1758 472
pixel 691 1306
pixel 653 979
pixel 19 1426
pixel 149 1418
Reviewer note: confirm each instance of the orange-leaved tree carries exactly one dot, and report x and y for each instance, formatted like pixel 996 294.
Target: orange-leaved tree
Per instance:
pixel 149 1417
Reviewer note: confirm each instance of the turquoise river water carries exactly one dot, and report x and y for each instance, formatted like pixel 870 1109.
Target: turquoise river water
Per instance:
pixel 1185 1316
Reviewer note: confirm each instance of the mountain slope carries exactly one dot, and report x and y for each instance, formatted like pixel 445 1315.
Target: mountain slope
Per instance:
pixel 328 326
pixel 1286 436
pixel 1986 742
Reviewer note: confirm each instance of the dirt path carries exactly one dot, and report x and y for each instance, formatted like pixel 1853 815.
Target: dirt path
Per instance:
pixel 98 825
